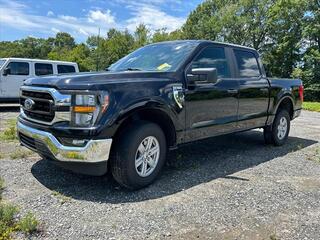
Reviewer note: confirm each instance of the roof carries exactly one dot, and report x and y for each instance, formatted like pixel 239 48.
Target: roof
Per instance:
pixel 208 41
pixel 38 60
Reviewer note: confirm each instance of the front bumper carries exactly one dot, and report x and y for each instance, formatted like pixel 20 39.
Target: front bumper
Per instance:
pixel 45 143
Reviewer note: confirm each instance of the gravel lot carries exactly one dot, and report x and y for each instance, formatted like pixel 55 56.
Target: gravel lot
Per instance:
pixel 229 187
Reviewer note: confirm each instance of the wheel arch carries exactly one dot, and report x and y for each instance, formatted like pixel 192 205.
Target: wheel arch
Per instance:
pixel 287 103
pixel 154 115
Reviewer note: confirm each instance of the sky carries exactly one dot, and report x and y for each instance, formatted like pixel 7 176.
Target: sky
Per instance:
pixel 82 18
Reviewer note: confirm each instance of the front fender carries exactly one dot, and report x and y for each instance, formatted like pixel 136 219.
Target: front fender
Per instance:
pixel 128 103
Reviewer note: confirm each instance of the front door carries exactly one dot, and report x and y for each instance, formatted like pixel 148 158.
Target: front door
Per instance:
pixel 17 72
pixel 211 108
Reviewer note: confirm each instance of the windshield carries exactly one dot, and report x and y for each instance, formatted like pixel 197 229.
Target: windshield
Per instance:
pixel 2 62
pixel 162 57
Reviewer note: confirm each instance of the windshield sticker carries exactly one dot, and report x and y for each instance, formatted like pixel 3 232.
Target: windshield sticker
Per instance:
pixel 164 66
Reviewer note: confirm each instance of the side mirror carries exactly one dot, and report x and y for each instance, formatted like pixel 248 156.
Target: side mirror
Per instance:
pixel 6 71
pixel 203 75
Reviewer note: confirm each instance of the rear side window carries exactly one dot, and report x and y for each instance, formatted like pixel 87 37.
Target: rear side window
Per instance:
pixel 43 69
pixel 247 64
pixel 213 57
pixel 18 68
pixel 66 69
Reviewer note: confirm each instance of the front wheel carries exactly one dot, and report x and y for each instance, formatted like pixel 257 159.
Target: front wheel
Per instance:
pixel 139 155
pixel 278 133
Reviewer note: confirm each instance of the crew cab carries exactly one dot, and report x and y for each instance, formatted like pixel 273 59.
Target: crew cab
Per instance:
pixel 13 71
pixel 151 101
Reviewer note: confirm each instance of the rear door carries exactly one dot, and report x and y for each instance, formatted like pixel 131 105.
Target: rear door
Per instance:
pixel 254 90
pixel 211 108
pixel 18 72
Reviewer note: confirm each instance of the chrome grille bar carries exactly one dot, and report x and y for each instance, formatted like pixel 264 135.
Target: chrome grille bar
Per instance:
pixel 50 105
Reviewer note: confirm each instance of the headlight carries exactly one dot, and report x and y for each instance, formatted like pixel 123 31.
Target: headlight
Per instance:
pixel 87 108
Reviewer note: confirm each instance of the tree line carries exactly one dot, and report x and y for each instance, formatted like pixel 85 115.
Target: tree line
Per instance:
pixel 285 32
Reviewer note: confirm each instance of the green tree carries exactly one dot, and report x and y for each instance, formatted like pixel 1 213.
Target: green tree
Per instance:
pixel 274 27
pixel 81 55
pixel 282 51
pixel 141 36
pixel 160 35
pixel 117 45
pixel 11 49
pixel 64 40
pixel 242 22
pixel 310 69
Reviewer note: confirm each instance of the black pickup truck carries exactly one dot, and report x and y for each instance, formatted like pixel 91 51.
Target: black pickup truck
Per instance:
pixel 151 101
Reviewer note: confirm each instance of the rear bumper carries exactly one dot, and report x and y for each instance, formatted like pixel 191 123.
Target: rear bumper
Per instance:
pixel 95 151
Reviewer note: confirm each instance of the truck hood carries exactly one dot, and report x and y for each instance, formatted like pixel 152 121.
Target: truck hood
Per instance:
pixel 93 81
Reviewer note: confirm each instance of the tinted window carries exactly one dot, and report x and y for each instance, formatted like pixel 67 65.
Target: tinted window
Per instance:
pixel 18 68
pixel 66 69
pixel 247 64
pixel 213 57
pixel 43 69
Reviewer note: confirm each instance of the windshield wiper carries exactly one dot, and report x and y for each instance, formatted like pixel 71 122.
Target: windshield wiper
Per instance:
pixel 130 69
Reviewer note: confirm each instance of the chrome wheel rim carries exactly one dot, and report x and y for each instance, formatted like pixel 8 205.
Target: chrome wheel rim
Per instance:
pixel 147 156
pixel 282 128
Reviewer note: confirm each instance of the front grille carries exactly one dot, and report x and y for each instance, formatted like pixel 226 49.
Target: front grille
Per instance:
pixel 39 116
pixel 40 95
pixel 43 109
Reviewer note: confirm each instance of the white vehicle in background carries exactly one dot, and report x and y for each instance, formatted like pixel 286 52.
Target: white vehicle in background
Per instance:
pixel 13 71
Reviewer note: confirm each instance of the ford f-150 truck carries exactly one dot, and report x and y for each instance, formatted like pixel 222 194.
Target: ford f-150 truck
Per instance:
pixel 151 101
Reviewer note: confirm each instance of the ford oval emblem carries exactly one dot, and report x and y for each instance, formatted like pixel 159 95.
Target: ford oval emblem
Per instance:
pixel 29 104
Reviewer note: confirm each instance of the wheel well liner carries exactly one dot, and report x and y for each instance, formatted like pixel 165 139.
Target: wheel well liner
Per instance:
pixel 156 116
pixel 287 104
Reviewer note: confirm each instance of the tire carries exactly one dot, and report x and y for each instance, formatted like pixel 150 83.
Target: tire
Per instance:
pixel 131 146
pixel 278 133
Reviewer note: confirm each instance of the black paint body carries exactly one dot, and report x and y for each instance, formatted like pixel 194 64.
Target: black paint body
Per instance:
pixel 229 105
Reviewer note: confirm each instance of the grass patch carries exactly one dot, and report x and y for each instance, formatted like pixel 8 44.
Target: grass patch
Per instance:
pixel 9 222
pixel 10 132
pixel 19 154
pixel 28 224
pixel 311 106
pixel 273 237
pixel 315 156
pixel 62 198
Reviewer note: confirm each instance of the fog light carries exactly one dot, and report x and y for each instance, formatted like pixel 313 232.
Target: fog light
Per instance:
pixel 73 142
pixel 79 142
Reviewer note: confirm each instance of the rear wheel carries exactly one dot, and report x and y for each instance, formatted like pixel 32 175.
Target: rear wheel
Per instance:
pixel 278 133
pixel 139 155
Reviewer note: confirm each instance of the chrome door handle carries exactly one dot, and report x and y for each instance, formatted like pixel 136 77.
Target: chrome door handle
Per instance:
pixel 232 91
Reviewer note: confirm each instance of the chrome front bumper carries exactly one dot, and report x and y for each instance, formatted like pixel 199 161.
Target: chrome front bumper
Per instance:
pixel 45 143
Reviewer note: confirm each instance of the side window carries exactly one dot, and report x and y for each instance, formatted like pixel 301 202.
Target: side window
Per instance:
pixel 213 57
pixel 18 68
pixel 247 64
pixel 43 69
pixel 66 69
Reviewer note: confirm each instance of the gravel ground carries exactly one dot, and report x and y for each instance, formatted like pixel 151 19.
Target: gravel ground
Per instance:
pixel 229 187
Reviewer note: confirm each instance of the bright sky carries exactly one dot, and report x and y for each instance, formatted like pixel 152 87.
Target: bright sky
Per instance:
pixel 81 18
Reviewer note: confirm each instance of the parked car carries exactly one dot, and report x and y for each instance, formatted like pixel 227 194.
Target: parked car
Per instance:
pixel 13 71
pixel 153 100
